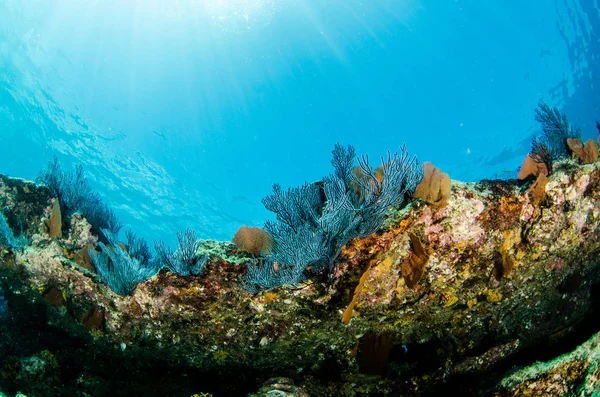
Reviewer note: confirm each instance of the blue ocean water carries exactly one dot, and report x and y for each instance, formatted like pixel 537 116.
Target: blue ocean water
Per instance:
pixel 185 112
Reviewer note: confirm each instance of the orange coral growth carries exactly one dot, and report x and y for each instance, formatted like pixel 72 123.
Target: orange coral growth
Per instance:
pixel 538 189
pixel 54 222
pixel 538 192
pixel 576 146
pixel 587 153
pixel 83 258
pixel 348 312
pixel 93 319
pixel 54 297
pixel 434 188
pixel 531 168
pixel 253 240
pixel 591 151
pixel 504 262
pixel 270 296
pixel 413 266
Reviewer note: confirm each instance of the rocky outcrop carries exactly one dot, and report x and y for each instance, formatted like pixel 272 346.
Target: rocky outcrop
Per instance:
pixel 442 298
pixel 573 374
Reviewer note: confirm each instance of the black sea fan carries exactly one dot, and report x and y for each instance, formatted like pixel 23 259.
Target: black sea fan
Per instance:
pixel 120 270
pixel 541 153
pixel 556 129
pixel 186 260
pixel 74 194
pixel 315 221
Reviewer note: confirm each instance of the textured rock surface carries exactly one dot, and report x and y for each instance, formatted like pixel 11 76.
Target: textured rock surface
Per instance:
pixel 439 299
pixel 573 374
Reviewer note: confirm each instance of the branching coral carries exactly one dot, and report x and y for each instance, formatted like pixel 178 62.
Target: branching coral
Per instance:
pixel 74 194
pixel 315 221
pixel 556 129
pixel 186 260
pixel 541 153
pixel 117 268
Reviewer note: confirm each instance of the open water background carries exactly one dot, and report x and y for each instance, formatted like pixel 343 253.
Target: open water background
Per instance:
pixel 184 113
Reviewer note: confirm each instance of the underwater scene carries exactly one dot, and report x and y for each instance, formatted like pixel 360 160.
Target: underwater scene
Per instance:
pixel 271 198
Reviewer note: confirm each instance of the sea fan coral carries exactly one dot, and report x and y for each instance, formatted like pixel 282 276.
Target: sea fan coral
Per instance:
pixel 119 270
pixel 556 129
pixel 74 194
pixel 186 260
pixel 315 221
pixel 542 153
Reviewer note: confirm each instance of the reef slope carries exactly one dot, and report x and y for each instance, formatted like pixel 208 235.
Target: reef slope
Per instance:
pixel 442 298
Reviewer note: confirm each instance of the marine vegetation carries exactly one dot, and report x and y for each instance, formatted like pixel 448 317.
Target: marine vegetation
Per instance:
pixel 316 220
pixel 119 269
pixel 138 247
pixel 186 260
pixel 7 238
pixel 74 195
pixel 555 143
pixel 556 128
pixel 541 153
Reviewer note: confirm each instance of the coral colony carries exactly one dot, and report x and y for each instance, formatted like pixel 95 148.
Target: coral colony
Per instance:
pixel 373 281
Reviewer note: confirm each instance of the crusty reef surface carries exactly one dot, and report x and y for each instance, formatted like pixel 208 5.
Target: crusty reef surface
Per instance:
pixel 440 299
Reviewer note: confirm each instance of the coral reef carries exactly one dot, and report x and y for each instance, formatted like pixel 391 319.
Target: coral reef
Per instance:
pixel 438 299
pixel 315 221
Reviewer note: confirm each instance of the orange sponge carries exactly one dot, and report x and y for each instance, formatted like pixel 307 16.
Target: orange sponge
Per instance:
pixel 434 188
pixel 253 240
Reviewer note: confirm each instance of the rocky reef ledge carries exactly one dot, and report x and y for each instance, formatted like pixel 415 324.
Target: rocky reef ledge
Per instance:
pixel 441 299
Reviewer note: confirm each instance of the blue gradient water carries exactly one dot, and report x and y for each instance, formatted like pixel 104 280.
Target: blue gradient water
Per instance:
pixel 184 113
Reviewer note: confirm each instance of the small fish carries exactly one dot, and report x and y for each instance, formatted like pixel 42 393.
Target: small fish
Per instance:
pixel 160 134
pixel 503 173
